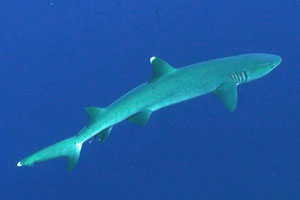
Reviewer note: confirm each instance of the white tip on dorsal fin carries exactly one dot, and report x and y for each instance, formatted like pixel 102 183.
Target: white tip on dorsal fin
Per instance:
pixel 152 58
pixel 160 68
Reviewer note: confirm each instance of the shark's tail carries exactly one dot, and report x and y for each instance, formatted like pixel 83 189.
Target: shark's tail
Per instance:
pixel 69 148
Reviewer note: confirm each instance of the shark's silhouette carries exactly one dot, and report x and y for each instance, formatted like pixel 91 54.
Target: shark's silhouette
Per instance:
pixel 167 86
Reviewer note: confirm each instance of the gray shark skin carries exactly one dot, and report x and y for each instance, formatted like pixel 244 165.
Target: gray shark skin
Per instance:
pixel 167 86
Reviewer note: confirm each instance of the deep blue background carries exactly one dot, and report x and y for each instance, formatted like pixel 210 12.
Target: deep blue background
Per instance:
pixel 57 57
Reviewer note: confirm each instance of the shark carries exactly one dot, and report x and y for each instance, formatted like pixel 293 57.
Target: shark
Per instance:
pixel 167 86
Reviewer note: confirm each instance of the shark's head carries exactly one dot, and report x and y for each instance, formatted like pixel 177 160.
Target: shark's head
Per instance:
pixel 260 64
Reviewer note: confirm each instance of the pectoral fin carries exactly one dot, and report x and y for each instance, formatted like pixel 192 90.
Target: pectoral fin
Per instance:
pixel 228 95
pixel 141 118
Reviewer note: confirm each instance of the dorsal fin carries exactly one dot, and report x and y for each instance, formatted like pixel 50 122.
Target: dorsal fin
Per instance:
pixel 93 112
pixel 228 95
pixel 159 68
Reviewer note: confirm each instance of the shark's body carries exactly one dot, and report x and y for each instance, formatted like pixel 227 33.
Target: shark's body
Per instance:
pixel 167 86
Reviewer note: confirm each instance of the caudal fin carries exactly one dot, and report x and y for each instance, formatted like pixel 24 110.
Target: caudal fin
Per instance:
pixel 73 158
pixel 69 148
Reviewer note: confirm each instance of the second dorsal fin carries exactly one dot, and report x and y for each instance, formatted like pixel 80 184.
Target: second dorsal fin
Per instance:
pixel 93 112
pixel 160 68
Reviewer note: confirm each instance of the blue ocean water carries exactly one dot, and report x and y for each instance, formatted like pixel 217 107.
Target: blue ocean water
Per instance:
pixel 59 56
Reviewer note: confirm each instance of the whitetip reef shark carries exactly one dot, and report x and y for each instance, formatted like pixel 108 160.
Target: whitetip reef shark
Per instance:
pixel 167 86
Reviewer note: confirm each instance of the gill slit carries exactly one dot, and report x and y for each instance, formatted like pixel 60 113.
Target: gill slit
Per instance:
pixel 239 77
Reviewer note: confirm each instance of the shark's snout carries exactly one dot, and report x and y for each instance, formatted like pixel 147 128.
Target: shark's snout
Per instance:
pixel 276 60
pixel 269 62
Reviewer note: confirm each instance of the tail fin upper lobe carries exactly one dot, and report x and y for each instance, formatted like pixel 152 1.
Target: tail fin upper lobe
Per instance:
pixel 69 147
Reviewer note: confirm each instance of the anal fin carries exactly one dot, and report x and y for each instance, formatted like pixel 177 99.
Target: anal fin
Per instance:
pixel 104 134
